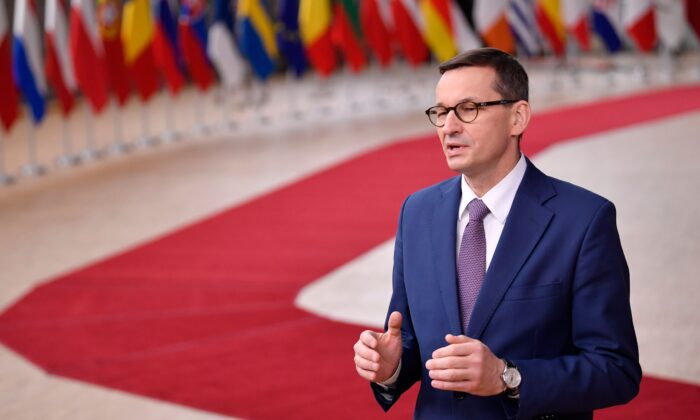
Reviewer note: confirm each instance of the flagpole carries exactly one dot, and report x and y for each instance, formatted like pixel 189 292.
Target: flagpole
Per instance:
pixel 200 128
pixel 228 104
pixel 5 178
pixel 32 167
pixel 68 159
pixel 90 152
pixel 146 139
pixel 119 146
pixel 170 134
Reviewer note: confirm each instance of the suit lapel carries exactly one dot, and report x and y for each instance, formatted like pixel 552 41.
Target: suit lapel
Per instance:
pixel 444 239
pixel 526 222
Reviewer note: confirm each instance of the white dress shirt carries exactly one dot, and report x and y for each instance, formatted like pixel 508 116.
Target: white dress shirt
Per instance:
pixel 499 200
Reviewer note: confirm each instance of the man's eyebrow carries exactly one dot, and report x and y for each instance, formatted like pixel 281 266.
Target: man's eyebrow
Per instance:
pixel 458 102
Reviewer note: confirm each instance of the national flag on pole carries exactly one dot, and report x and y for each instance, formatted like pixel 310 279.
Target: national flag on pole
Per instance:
pixel 463 25
pixel 59 68
pixel 638 18
pixel 576 14
pixel 166 51
pixel 408 25
pixel 346 33
pixel 549 19
pixel 376 32
pixel 138 32
pixel 192 32
pixel 491 22
pixel 8 100
pixel 671 24
pixel 692 10
pixel 88 54
pixel 523 24
pixel 438 28
pixel 27 66
pixel 315 31
pixel 221 49
pixel 109 20
pixel 256 37
pixel 606 17
pixel 288 37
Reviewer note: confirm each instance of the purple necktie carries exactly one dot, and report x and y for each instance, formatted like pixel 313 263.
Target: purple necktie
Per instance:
pixel 471 265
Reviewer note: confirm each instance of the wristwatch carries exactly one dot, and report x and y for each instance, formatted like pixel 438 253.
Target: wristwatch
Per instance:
pixel 511 378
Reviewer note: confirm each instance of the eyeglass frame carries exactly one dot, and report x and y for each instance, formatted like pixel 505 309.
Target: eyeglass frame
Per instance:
pixel 478 106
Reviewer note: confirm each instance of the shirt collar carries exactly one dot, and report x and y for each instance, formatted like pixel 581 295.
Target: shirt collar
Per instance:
pixel 500 198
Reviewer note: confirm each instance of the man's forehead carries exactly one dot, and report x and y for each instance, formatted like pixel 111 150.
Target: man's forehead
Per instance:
pixel 467 82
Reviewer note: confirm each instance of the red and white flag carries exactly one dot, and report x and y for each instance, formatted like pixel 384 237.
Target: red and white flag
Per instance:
pixel 409 27
pixel 9 108
pixel 87 53
pixel 491 22
pixel 671 25
pixel 59 68
pixel 576 14
pixel 638 20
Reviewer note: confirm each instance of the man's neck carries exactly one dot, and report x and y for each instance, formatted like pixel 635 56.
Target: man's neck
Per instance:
pixel 483 181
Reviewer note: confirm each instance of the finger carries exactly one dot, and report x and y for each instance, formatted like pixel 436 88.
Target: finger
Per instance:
pixel 456 339
pixel 369 338
pixel 365 364
pixel 366 374
pixel 459 349
pixel 366 352
pixel 449 375
pixel 450 362
pixel 451 386
pixel 394 324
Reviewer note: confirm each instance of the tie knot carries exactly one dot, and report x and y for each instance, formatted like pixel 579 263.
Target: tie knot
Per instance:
pixel 477 210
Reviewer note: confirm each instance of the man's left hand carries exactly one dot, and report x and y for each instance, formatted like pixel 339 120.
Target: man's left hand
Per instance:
pixel 466 365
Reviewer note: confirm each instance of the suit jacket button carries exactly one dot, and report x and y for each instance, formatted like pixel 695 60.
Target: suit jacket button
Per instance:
pixel 459 395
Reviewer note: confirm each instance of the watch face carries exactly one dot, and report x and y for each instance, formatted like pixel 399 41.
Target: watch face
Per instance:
pixel 512 378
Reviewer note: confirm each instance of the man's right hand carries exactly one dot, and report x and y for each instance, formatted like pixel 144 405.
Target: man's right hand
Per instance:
pixel 377 355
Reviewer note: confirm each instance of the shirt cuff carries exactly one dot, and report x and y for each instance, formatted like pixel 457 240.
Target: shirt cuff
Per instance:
pixel 391 381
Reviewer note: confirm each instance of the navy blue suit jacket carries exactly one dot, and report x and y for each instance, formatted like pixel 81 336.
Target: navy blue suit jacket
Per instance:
pixel 555 301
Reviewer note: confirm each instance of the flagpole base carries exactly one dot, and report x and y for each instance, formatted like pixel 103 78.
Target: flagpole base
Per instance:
pixel 90 155
pixel 171 136
pixel 32 169
pixel 147 141
pixel 118 148
pixel 6 179
pixel 200 130
pixel 68 161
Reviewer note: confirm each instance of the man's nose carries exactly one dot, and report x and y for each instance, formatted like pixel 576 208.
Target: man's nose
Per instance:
pixel 452 123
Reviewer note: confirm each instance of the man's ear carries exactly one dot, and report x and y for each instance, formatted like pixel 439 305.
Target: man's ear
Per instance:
pixel 520 117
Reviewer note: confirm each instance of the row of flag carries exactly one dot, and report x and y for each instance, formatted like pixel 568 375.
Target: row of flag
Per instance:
pixel 103 47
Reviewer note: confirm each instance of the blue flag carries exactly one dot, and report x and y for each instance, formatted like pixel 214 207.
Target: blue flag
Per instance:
pixel 603 18
pixel 288 36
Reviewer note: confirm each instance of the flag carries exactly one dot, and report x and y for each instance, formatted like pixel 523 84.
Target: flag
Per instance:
pixel 408 24
pixel 221 49
pixel 88 54
pixel 27 66
pixel 192 34
pixel 549 18
pixel 138 32
pixel 670 23
pixel 166 51
pixel 59 68
pixel 605 18
pixel 523 25
pixel 256 36
pixel 575 14
pixel 638 18
pixel 288 37
pixel 438 28
pixel 376 32
pixel 315 31
pixel 490 20
pixel 346 34
pixel 692 10
pixel 463 25
pixel 8 99
pixel 109 20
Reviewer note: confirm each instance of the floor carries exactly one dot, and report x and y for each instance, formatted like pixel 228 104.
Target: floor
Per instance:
pixel 229 152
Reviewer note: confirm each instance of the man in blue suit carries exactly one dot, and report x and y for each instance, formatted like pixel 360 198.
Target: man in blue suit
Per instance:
pixel 510 288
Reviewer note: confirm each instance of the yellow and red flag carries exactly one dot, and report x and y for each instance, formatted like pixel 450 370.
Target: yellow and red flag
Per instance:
pixel 314 29
pixel 137 35
pixel 548 15
pixel 438 28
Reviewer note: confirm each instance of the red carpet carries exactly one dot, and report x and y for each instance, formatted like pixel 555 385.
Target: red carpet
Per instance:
pixel 204 317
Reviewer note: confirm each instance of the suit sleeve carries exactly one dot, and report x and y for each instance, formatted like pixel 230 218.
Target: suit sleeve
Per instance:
pixel 410 357
pixel 604 370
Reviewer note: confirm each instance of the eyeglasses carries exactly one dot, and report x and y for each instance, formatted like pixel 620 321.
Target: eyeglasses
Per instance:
pixel 466 111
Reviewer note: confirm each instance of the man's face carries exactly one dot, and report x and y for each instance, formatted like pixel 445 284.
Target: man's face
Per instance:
pixel 483 146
